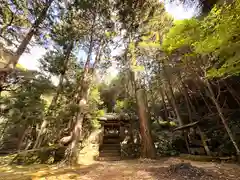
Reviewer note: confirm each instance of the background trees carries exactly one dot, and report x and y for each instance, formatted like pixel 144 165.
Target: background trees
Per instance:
pixel 180 78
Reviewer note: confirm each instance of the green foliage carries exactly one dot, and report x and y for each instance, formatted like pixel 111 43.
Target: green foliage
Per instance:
pixel 183 33
pixel 94 122
pixel 52 62
pixel 215 36
pixel 159 56
pixel 23 109
pixel 95 96
pixel 94 103
pixel 13 18
pixel 164 145
pixel 26 103
pixel 119 106
pixel 17 17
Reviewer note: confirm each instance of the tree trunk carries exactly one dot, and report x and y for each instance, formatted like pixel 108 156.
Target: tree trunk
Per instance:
pixel 55 98
pixel 203 98
pixel 229 132
pixel 77 130
pixel 22 47
pixel 186 97
pixel 147 144
pixel 71 154
pixel 21 140
pixel 164 103
pixel 147 149
pixel 174 104
pixel 173 101
pixel 168 99
pixel 4 129
pixel 204 141
pixel 190 106
pixel 202 134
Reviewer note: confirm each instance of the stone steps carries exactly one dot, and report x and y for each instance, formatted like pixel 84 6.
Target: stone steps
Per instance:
pixel 110 150
pixel 109 154
pixel 111 136
pixel 110 147
pixel 117 158
pixel 111 141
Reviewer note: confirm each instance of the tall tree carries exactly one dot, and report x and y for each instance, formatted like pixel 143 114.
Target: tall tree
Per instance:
pixel 41 16
pixel 59 89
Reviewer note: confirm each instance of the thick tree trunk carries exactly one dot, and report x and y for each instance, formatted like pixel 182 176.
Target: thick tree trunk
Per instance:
pixel 229 132
pixel 71 154
pixel 55 98
pixel 77 130
pixel 147 144
pixel 147 149
pixel 74 138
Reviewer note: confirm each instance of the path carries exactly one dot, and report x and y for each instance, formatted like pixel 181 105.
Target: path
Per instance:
pixel 125 170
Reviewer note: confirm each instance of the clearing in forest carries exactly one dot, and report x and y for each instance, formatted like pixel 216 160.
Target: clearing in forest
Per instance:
pixel 164 169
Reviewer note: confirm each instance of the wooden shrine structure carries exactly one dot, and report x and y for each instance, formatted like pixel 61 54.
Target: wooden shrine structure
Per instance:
pixel 114 128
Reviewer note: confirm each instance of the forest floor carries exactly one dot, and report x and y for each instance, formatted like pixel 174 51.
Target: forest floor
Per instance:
pixel 163 169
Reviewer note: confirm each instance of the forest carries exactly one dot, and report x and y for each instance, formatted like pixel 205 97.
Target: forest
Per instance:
pixel 163 75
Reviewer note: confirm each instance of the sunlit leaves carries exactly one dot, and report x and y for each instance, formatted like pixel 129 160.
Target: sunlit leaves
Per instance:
pixel 216 36
pixel 183 33
pixel 150 41
pixel 21 67
pixel 138 68
pixel 110 34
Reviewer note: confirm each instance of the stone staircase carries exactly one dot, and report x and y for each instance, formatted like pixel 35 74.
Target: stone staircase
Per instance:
pixel 110 149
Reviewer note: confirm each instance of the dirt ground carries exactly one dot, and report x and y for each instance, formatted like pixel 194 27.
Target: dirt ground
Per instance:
pixel 164 169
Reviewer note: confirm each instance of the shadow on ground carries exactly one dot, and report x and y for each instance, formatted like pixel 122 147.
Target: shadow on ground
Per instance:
pixel 163 169
pixel 45 172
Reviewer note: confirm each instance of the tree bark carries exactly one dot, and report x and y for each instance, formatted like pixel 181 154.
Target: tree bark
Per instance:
pixel 21 140
pixel 174 104
pixel 77 130
pixel 190 106
pixel 164 103
pixel 71 154
pixel 22 47
pixel 4 129
pixel 147 145
pixel 202 134
pixel 84 92
pixel 55 98
pixel 227 128
pixel 186 97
